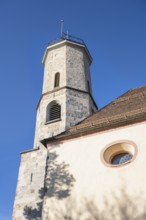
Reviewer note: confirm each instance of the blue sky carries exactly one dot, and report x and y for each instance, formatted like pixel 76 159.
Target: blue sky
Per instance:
pixel 115 33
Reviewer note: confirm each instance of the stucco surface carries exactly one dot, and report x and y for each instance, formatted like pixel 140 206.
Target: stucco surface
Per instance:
pixel 93 181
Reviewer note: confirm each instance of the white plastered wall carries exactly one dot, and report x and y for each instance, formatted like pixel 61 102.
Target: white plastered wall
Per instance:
pixel 95 181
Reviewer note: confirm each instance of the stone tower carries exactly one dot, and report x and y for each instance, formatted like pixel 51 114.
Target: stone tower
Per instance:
pixel 67 93
pixel 66 100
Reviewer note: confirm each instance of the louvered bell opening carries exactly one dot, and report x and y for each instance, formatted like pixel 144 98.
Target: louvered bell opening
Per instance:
pixel 55 112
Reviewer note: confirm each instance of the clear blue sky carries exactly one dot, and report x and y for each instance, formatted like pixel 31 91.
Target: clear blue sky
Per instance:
pixel 115 33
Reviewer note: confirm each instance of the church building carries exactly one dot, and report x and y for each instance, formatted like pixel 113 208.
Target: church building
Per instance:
pixel 86 163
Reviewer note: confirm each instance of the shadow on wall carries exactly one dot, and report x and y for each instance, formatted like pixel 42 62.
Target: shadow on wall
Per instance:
pixel 59 181
pixel 58 184
pixel 122 207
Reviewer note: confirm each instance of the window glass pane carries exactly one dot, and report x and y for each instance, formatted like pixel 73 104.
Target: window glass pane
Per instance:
pixel 121 158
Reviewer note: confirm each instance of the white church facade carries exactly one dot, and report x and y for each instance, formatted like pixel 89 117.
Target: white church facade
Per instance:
pixel 86 164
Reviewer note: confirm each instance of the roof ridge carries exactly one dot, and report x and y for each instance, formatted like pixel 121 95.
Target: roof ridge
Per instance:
pixel 128 94
pixel 139 87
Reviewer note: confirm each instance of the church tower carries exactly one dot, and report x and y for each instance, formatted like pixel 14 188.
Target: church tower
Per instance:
pixel 66 100
pixel 67 92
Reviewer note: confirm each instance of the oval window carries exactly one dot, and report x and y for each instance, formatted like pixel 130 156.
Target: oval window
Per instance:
pixel 119 153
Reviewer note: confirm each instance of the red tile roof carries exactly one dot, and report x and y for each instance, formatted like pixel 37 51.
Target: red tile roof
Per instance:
pixel 126 109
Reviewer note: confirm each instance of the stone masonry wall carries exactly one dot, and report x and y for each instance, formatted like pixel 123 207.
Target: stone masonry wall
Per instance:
pixel 78 106
pixel 73 64
pixel 55 62
pixel 43 129
pixel 77 68
pixel 75 106
pixel 87 74
pixel 30 186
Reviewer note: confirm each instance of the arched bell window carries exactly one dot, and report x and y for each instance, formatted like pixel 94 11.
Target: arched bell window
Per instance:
pixel 57 80
pixel 53 111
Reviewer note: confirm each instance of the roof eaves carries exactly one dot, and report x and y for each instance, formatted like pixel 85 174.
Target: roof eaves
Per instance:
pixel 105 125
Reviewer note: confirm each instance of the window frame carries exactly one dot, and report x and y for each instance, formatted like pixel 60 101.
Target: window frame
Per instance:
pixel 116 148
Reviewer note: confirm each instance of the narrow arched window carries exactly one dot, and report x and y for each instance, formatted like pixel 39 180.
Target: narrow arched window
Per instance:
pixel 57 80
pixel 88 86
pixel 53 111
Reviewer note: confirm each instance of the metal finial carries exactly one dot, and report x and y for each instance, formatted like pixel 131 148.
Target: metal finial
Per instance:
pixel 62 22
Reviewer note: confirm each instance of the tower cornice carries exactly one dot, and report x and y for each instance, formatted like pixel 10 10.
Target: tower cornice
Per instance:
pixel 66 87
pixel 66 42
